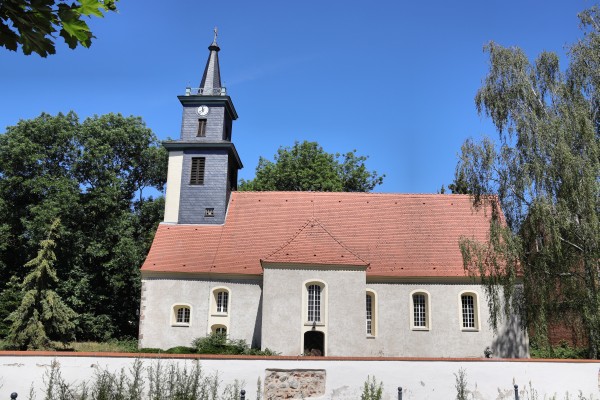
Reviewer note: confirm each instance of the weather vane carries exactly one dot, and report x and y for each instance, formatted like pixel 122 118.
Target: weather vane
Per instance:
pixel 216 33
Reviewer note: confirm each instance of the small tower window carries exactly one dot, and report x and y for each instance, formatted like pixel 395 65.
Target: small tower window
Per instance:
pixel 201 128
pixel 209 212
pixel 197 172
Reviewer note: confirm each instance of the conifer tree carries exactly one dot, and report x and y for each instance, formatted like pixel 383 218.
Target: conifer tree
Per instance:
pixel 42 315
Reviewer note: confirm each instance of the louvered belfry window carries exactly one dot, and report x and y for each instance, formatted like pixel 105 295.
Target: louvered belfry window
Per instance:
pixel 197 173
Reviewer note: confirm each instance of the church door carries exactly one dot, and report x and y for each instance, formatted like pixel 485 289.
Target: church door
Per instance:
pixel 314 343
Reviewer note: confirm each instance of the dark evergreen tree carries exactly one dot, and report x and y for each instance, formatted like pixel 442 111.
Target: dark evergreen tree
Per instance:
pixel 42 315
pixel 460 185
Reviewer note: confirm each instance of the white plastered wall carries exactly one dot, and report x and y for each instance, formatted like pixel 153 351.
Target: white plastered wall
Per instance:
pixel 419 379
pixel 159 295
pixel 173 187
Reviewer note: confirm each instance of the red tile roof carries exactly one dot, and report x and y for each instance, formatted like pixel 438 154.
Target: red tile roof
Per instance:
pixel 313 244
pixel 396 235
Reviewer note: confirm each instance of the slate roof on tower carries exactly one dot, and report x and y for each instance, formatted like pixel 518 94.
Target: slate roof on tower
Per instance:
pixel 211 79
pixel 391 235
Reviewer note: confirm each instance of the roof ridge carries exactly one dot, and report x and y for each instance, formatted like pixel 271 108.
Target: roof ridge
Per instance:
pixel 382 194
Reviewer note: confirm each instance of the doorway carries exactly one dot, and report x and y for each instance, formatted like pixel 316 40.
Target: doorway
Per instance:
pixel 314 343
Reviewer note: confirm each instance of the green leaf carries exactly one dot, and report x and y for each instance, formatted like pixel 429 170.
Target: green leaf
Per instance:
pixel 33 23
pixel 78 29
pixel 91 7
pixel 8 38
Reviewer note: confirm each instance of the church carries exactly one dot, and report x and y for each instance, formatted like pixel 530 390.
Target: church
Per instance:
pixel 308 273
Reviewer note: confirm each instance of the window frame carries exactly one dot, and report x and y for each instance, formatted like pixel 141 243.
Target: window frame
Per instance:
pixel 215 327
pixel 476 320
pixel 373 296
pixel 222 299
pixel 175 315
pixel 197 177
pixel 217 308
pixel 322 303
pixel 426 310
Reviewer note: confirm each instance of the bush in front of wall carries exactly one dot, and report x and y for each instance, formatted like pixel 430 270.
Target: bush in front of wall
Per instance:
pixel 216 343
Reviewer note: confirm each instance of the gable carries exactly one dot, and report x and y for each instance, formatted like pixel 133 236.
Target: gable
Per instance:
pixel 313 244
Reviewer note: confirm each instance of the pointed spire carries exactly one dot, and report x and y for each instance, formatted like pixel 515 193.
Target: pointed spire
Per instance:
pixel 211 80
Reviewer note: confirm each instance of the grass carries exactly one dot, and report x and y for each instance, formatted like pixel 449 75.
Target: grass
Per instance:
pixel 113 346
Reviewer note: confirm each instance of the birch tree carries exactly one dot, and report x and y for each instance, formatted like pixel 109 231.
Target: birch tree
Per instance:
pixel 543 171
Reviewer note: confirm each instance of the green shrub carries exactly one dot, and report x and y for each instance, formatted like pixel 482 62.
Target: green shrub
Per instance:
pixel 181 350
pixel 219 344
pixel 562 351
pixel 150 350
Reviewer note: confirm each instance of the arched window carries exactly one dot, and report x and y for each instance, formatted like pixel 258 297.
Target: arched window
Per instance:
pixel 469 311
pixel 181 315
pixel 314 303
pixel 420 315
pixel 371 313
pixel 220 310
pixel 220 301
pixel 219 329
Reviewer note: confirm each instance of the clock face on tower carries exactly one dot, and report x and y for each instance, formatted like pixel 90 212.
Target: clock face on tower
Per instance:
pixel 202 110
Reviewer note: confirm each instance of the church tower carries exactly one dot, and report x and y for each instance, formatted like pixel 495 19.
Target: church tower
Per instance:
pixel 203 163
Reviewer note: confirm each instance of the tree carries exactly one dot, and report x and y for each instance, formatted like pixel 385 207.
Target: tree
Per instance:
pixel 306 166
pixel 459 186
pixel 92 175
pixel 544 172
pixel 42 316
pixel 32 24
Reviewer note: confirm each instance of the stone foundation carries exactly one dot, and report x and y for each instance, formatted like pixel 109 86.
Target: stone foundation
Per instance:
pixel 294 383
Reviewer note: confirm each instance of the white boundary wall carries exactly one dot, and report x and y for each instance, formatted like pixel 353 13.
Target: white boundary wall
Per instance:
pixel 420 378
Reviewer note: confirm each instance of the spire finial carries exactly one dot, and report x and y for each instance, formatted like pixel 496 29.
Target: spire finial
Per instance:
pixel 216 34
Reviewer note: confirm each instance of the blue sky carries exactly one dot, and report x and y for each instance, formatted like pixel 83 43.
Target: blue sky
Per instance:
pixel 394 80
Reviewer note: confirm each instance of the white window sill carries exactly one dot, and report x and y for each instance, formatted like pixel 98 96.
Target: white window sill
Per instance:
pixel 314 323
pixel 180 325
pixel 219 315
pixel 420 328
pixel 470 329
pixel 371 336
